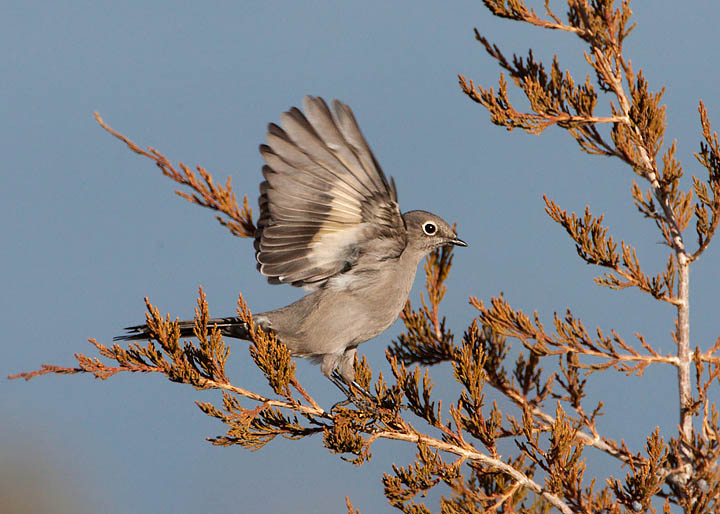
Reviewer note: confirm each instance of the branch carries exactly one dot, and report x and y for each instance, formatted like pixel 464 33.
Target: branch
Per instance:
pixel 594 246
pixel 102 371
pixel 708 195
pixel 207 194
pixel 570 337
pixel 474 455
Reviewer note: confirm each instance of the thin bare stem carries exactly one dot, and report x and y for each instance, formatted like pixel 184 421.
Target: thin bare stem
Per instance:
pixel 682 334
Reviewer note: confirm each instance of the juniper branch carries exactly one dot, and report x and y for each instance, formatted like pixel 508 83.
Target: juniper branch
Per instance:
pixel 468 453
pixel 206 194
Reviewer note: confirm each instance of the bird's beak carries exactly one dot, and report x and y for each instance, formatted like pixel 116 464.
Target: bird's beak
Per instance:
pixel 457 242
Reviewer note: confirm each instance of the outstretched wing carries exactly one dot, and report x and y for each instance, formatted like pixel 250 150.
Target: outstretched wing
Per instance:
pixel 325 204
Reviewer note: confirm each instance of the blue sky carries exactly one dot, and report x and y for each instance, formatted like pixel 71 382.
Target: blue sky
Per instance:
pixel 89 228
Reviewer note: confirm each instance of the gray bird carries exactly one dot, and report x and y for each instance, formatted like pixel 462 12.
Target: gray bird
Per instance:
pixel 330 222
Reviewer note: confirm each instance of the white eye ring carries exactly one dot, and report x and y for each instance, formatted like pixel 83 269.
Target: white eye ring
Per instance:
pixel 429 228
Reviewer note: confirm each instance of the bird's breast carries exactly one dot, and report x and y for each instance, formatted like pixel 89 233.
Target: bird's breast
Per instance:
pixel 363 305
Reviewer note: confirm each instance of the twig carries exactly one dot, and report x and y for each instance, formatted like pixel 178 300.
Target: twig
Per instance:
pixel 474 455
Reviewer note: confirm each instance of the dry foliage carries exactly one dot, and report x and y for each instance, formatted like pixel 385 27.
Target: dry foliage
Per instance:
pixel 457 445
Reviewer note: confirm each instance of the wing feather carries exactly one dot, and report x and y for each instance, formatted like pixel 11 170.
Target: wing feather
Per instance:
pixel 325 204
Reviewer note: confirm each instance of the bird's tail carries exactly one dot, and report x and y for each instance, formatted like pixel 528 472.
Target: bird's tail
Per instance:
pixel 229 327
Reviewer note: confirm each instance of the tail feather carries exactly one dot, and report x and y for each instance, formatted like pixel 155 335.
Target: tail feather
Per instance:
pixel 229 327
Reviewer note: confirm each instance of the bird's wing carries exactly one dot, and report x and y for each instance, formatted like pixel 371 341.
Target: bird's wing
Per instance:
pixel 325 202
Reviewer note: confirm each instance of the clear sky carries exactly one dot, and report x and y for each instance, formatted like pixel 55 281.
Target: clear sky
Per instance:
pixel 89 229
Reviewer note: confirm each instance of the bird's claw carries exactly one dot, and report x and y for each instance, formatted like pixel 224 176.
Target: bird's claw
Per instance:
pixel 355 393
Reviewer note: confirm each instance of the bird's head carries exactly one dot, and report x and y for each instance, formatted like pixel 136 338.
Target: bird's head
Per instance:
pixel 426 231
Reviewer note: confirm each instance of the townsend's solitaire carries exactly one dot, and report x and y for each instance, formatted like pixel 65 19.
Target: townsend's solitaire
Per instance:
pixel 330 222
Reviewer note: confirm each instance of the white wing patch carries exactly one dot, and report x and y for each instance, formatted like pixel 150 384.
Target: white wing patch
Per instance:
pixel 336 247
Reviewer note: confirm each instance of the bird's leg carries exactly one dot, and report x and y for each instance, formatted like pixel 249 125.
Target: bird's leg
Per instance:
pixel 340 384
pixel 338 380
pixel 364 401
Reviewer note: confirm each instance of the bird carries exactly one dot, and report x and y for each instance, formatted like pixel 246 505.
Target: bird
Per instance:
pixel 330 223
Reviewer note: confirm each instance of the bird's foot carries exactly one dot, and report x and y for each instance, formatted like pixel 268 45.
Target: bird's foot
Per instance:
pixel 356 394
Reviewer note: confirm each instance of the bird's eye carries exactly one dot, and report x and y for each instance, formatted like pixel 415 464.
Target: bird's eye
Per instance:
pixel 429 228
